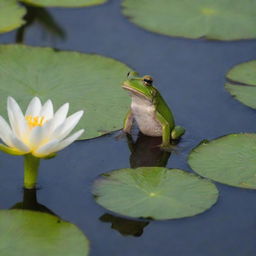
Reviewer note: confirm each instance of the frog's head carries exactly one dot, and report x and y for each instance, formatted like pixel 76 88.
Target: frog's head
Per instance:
pixel 141 86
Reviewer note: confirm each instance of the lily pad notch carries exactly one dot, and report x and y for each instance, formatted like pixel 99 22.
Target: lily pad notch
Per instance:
pixel 242 85
pixel 154 192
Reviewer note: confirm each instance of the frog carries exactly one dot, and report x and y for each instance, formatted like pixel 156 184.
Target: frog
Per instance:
pixel 150 111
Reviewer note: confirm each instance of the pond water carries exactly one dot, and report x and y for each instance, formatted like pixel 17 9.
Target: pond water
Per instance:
pixel 190 75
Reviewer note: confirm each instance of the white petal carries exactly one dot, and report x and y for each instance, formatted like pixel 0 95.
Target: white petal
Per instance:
pixel 16 118
pixel 60 115
pixel 47 110
pixel 5 132
pixel 46 149
pixel 68 141
pixel 64 129
pixel 36 137
pixel 19 145
pixel 34 107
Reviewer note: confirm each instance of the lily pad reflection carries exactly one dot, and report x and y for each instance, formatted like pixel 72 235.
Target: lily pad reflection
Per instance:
pixel 42 17
pixel 125 227
pixel 154 192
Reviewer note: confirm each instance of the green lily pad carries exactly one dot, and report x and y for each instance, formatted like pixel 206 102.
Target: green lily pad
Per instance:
pixel 212 19
pixel 32 233
pixel 230 160
pixel 89 82
pixel 11 14
pixel 64 3
pixel 243 85
pixel 154 192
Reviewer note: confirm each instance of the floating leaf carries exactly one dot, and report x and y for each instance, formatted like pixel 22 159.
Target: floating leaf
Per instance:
pixel 213 19
pixel 32 233
pixel 87 81
pixel 154 192
pixel 11 14
pixel 64 3
pixel 230 160
pixel 243 87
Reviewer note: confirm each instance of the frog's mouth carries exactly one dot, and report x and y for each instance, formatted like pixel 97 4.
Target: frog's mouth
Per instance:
pixel 133 91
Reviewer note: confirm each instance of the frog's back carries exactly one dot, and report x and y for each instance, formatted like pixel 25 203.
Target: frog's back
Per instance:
pixel 164 110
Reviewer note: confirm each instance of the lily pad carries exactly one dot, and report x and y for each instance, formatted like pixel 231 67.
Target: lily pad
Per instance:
pixel 64 3
pixel 230 160
pixel 212 19
pixel 89 82
pixel 243 86
pixel 11 14
pixel 32 233
pixel 154 192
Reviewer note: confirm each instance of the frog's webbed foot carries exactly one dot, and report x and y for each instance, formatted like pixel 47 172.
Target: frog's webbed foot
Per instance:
pixel 168 148
pixel 177 132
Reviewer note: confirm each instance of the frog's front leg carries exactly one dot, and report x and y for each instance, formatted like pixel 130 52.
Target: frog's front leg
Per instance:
pixel 166 131
pixel 128 121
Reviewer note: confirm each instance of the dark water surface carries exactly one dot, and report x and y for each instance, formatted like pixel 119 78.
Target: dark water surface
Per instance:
pixel 190 75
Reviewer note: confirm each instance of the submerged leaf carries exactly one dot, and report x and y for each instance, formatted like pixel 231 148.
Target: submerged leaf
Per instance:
pixel 154 192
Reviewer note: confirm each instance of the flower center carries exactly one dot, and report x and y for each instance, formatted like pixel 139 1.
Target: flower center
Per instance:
pixel 208 11
pixel 34 121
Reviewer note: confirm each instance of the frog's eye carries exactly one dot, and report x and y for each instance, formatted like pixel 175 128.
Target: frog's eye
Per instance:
pixel 147 80
pixel 128 74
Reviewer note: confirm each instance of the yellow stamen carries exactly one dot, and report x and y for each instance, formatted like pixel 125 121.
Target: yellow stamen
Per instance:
pixel 34 121
pixel 208 11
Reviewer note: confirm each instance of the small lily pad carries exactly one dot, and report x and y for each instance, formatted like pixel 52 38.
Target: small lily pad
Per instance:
pixel 11 14
pixel 87 81
pixel 212 19
pixel 32 233
pixel 230 160
pixel 243 85
pixel 154 192
pixel 64 3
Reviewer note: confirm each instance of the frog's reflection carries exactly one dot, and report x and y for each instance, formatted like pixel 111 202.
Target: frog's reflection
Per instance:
pixel 44 18
pixel 30 202
pixel 145 151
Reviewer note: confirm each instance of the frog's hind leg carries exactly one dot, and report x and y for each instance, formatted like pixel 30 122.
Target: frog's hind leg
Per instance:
pixel 177 132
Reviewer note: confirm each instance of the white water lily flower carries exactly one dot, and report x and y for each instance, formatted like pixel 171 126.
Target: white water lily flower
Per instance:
pixel 41 132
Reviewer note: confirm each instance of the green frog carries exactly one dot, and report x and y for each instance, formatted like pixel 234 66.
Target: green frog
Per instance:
pixel 148 108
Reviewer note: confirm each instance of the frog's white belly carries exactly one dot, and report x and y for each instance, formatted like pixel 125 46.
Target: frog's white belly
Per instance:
pixel 145 115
